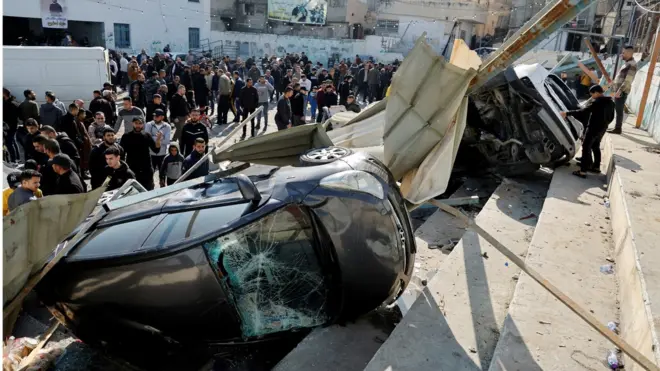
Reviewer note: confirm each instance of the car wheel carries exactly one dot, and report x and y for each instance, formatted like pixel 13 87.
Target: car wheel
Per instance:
pixel 319 156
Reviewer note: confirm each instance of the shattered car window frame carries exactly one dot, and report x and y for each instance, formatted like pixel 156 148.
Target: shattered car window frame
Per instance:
pixel 270 269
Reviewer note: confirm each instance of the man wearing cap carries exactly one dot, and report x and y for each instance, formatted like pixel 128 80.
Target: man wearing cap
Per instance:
pixel 26 191
pixel 154 128
pixel 14 181
pixel 137 144
pixel 156 103
pixel 68 182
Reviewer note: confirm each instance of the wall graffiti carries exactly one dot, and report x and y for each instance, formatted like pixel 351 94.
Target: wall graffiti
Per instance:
pixel 247 45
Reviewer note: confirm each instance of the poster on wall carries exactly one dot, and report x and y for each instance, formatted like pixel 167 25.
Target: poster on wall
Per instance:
pixel 54 14
pixel 298 11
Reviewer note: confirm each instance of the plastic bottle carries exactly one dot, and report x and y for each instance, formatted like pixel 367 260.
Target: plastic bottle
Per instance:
pixel 612 360
pixel 612 326
pixel 607 269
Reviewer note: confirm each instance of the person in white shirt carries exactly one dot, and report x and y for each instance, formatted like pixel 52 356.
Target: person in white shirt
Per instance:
pixel 158 125
pixel 123 71
pixel 114 70
pixel 307 84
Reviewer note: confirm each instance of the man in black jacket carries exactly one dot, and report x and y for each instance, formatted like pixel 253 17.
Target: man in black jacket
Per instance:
pixel 138 92
pixel 97 162
pixel 67 146
pixel 298 105
pixel 137 144
pixel 116 169
pixel 283 115
pixel 179 111
pixel 68 124
pixel 100 104
pixel 600 112
pixel 30 152
pixel 68 182
pixel 192 130
pixel 193 158
pixel 249 98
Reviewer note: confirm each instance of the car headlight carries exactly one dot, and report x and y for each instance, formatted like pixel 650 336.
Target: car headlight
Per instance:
pixel 355 180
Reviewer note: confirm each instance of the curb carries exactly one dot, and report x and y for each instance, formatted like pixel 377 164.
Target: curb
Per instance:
pixel 637 322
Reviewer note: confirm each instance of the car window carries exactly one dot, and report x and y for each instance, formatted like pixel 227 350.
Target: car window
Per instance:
pixel 273 273
pixel 562 92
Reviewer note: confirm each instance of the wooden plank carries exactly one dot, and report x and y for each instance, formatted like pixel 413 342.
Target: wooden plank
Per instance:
pixel 594 54
pixel 570 303
pixel 44 339
pixel 649 79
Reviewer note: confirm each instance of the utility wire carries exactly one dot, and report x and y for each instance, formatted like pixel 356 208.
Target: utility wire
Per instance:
pixel 646 9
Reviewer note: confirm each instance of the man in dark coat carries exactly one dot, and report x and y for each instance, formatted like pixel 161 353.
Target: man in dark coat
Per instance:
pixel 97 162
pixel 249 98
pixel 68 182
pixel 193 158
pixel 137 144
pixel 283 115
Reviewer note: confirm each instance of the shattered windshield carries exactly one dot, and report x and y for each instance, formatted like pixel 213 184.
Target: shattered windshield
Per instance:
pixel 272 272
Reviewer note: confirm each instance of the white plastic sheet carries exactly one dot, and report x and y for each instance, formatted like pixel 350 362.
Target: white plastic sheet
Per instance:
pixel 651 120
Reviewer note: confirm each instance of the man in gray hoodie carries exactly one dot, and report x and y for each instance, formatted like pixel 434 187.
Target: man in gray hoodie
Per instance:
pixel 264 89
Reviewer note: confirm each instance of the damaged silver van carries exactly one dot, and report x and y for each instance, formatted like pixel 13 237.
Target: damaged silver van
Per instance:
pixel 514 125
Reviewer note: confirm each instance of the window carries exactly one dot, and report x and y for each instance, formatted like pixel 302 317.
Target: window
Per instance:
pixel 273 273
pixel 193 1
pixel 193 38
pixel 385 27
pixel 248 9
pixel 122 35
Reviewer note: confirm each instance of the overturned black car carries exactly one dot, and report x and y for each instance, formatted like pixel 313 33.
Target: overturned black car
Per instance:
pixel 240 259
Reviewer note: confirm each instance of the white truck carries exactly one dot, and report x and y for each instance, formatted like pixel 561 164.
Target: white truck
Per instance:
pixel 70 72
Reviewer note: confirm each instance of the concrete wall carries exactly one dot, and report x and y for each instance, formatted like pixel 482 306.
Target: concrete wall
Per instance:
pixel 253 44
pixel 318 50
pixel 153 23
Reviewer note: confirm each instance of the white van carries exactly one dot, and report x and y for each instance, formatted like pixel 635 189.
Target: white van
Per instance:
pixel 70 72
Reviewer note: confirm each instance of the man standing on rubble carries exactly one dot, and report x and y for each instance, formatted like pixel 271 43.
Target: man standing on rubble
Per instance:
pixel 600 112
pixel 622 84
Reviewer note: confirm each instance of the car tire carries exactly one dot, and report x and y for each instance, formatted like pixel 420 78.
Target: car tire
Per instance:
pixel 326 155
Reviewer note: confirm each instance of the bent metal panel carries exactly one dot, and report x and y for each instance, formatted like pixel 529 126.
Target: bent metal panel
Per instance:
pixel 298 11
pixel 54 14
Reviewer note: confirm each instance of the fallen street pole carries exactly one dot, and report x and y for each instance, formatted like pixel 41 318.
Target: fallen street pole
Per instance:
pixel 219 145
pixel 546 22
pixel 649 78
pixel 572 305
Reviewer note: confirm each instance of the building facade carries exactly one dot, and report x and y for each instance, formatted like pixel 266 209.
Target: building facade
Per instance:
pixel 123 25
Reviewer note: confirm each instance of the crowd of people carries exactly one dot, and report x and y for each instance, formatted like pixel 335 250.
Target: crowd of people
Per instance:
pixel 166 117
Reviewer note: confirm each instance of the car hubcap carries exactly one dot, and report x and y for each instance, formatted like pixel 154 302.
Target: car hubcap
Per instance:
pixel 331 153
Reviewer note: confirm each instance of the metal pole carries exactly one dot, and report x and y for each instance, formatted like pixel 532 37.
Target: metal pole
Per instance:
pixel 630 23
pixel 649 78
pixel 617 19
pixel 585 315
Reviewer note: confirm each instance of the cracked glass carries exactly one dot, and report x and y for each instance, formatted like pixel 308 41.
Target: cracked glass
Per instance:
pixel 272 272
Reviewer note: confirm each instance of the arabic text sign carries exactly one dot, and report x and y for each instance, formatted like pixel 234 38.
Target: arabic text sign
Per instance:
pixel 298 11
pixel 54 14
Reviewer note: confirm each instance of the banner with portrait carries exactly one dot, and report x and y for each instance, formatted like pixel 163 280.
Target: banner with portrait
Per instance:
pixel 298 11
pixel 54 14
